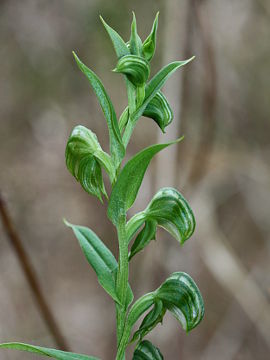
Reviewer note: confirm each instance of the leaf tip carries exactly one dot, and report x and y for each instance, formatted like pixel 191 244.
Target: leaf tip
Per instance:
pixel 67 223
pixel 134 22
pixel 102 20
pixel 177 140
pixel 156 19
pixel 75 55
pixel 181 138
pixel 190 59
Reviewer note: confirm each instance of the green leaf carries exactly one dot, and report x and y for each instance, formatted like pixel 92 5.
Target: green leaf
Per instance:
pixel 147 234
pixel 149 45
pixel 116 146
pixel 147 351
pixel 135 42
pixel 84 158
pixel 135 68
pixel 150 321
pixel 56 354
pixel 119 45
pixel 159 110
pixel 181 296
pixel 169 210
pixel 99 257
pixel 158 81
pixel 129 181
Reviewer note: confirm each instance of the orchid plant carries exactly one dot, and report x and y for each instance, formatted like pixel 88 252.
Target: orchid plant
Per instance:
pixel 86 160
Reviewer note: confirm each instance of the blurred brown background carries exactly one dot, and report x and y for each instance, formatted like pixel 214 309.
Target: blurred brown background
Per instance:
pixel 221 104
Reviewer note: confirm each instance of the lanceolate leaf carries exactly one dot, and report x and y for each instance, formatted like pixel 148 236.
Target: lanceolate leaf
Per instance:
pixel 168 209
pixel 129 181
pixel 84 158
pixel 135 42
pixel 119 45
pixel 99 257
pixel 149 45
pixel 157 82
pixel 116 146
pixel 147 351
pixel 56 354
pixel 135 68
pixel 159 110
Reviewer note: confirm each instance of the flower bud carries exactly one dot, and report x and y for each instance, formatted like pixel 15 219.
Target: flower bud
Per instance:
pixel 159 110
pixel 84 159
pixel 135 68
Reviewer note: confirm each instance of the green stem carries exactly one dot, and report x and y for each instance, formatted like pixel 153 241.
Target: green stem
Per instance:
pixel 122 277
pixel 137 309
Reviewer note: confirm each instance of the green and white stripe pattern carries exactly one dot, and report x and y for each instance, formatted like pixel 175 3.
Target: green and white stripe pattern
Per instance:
pixel 136 68
pixel 84 158
pixel 169 210
pixel 181 296
pixel 159 110
pixel 147 351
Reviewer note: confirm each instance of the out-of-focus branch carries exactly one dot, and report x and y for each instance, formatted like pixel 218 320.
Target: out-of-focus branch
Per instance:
pixel 207 132
pixel 226 267
pixel 31 277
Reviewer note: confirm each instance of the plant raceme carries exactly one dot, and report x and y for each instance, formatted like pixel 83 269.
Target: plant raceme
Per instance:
pixel 85 159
